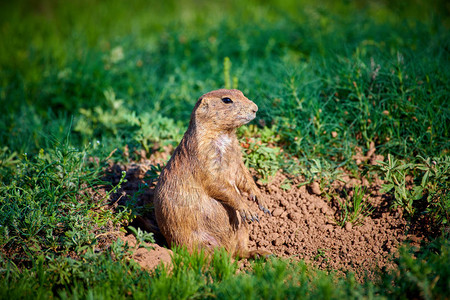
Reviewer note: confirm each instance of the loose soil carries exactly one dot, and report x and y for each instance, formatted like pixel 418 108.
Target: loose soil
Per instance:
pixel 303 224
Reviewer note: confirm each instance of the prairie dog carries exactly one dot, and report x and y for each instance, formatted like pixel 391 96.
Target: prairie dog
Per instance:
pixel 200 198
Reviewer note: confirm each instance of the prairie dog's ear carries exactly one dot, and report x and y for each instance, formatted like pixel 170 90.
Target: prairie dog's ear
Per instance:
pixel 203 104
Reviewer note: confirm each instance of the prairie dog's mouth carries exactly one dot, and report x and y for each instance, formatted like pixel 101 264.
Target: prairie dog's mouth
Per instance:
pixel 248 118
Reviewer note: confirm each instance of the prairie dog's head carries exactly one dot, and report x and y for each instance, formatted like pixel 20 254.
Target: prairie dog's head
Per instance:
pixel 224 110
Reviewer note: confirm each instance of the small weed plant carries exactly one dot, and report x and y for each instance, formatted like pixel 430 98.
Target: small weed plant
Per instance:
pixel 320 170
pixel 354 209
pixel 423 180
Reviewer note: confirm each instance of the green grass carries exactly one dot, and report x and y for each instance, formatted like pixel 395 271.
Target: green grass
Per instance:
pixel 110 274
pixel 80 79
pixel 46 208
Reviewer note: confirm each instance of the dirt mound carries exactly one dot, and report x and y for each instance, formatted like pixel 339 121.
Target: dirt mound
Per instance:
pixel 303 225
pixel 303 222
pixel 151 255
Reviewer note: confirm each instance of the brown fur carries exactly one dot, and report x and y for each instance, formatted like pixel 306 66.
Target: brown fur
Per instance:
pixel 205 182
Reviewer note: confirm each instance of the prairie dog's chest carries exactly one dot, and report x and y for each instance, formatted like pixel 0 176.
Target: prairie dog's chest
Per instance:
pixel 226 151
pixel 223 144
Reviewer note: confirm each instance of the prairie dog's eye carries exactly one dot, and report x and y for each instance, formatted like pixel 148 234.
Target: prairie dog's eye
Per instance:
pixel 227 100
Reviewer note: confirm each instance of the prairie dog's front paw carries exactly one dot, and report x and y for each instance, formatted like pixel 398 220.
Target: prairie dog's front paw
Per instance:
pixel 248 215
pixel 261 203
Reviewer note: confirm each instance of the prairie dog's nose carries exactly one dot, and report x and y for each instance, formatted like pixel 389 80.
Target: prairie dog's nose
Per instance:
pixel 254 107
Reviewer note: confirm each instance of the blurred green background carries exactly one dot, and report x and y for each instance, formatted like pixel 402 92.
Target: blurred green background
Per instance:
pixel 129 72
